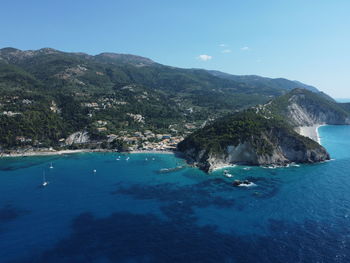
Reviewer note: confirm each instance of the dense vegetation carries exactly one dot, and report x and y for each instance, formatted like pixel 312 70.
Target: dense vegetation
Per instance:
pixel 262 83
pixel 45 95
pixel 237 128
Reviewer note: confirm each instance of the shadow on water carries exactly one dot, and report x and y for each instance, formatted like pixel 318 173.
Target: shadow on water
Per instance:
pixel 196 195
pixel 17 163
pixel 9 213
pixel 126 237
pixel 266 187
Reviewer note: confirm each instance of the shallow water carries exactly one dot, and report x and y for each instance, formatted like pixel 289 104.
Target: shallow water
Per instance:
pixel 128 212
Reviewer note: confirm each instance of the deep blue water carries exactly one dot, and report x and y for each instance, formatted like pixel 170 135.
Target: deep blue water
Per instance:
pixel 127 212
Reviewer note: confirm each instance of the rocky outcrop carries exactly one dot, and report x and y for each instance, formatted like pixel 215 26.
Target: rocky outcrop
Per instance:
pixel 272 144
pixel 77 138
pixel 286 150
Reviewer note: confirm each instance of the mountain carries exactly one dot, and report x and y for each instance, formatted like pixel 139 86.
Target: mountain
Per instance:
pixel 266 134
pixel 48 95
pixel 262 82
pixel 301 107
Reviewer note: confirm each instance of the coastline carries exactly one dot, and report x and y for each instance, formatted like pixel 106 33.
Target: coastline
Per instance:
pixel 310 132
pixel 152 151
pixel 62 152
pixel 223 166
pixel 318 133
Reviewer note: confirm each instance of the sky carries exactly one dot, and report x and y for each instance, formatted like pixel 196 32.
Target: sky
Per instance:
pixel 305 40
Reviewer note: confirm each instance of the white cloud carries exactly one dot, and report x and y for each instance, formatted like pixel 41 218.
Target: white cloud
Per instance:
pixel 245 48
pixel 222 45
pixel 226 51
pixel 204 57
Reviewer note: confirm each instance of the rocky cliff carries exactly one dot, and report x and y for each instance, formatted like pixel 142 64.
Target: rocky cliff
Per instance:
pixel 305 111
pixel 304 108
pixel 252 139
pixel 77 138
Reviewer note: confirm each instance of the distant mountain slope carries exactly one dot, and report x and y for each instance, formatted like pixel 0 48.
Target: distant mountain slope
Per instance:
pixel 81 72
pixel 262 82
pixel 345 106
pixel 301 107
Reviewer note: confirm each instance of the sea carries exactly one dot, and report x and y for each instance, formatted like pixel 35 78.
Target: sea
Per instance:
pixel 111 207
pixel 343 100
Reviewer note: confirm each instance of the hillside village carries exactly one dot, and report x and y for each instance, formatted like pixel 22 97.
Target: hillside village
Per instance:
pixel 57 100
pixel 137 140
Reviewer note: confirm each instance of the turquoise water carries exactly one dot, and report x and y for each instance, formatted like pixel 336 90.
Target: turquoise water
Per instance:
pixel 128 212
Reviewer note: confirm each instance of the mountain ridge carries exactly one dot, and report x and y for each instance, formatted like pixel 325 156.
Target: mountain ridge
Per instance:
pixel 110 95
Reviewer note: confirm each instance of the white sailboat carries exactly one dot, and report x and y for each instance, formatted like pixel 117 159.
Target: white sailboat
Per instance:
pixel 51 166
pixel 45 183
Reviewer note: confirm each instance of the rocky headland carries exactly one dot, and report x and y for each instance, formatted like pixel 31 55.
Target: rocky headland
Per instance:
pixel 280 132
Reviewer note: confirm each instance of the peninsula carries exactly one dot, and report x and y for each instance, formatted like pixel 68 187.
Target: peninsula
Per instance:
pixel 269 134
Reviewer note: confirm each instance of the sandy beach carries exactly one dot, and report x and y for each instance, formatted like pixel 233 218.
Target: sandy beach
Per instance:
pixel 152 151
pixel 48 153
pixel 311 132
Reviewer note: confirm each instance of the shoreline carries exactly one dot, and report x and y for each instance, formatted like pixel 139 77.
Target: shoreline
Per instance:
pixel 318 133
pixel 63 152
pixel 152 152
pixel 224 166
pixel 311 132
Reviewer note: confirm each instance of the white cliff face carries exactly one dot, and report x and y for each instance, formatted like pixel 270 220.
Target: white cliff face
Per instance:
pixel 301 113
pixel 300 116
pixel 308 117
pixel 77 138
pixel 242 153
pixel 285 149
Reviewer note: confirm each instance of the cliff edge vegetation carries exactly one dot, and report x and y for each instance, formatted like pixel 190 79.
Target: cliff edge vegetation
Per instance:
pixel 249 138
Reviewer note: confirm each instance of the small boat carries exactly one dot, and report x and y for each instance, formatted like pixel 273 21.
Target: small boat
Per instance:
pixel 247 168
pixel 51 166
pixel 94 171
pixel 127 158
pixel 44 183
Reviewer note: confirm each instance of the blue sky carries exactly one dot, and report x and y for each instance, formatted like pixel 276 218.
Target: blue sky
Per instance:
pixel 305 40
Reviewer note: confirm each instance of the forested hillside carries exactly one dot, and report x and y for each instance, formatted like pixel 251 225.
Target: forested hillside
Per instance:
pixel 46 95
